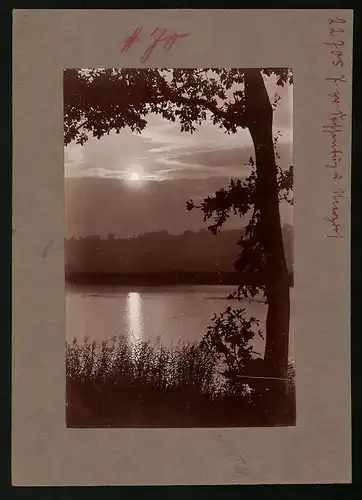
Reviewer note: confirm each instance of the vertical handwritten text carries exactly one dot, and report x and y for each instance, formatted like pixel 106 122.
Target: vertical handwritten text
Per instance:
pixel 335 123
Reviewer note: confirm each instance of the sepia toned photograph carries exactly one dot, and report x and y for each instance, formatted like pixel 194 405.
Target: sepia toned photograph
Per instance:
pixel 179 253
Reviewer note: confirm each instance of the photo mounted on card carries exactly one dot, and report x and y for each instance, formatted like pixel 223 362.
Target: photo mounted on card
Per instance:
pixel 181 247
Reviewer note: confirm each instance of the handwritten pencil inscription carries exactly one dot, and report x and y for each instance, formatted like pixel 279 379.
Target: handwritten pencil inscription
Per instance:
pixel 335 123
pixel 159 35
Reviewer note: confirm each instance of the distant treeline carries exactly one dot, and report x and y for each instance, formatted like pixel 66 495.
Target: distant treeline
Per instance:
pixel 199 255
pixel 159 279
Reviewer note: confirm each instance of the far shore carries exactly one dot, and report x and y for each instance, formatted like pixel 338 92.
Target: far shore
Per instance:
pixel 160 279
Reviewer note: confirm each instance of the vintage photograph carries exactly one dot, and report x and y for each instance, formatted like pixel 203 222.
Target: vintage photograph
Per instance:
pixel 179 253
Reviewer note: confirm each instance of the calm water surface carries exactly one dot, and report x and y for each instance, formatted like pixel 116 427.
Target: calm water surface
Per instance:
pixel 175 313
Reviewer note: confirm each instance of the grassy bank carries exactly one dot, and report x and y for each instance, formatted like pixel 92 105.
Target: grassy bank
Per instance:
pixel 149 384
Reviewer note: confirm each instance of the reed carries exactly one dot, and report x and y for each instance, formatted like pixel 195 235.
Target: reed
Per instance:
pixel 149 384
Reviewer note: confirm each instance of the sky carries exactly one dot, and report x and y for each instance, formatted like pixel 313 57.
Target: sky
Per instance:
pixel 130 183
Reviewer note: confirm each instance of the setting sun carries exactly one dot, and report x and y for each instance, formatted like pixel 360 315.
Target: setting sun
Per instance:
pixel 134 176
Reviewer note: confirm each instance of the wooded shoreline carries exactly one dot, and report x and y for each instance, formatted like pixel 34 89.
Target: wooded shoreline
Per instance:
pixel 159 279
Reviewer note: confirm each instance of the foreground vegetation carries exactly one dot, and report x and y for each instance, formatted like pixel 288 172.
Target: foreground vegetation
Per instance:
pixel 149 384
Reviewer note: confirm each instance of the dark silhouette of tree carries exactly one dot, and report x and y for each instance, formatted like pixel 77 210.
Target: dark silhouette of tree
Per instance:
pixel 98 101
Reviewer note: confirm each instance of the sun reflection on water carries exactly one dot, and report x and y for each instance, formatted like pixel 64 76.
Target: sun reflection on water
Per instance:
pixel 134 315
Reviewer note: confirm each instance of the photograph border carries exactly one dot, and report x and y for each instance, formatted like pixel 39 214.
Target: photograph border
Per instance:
pixel 90 242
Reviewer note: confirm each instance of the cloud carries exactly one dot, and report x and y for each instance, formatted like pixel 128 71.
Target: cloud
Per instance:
pixel 221 162
pixel 215 158
pixel 194 163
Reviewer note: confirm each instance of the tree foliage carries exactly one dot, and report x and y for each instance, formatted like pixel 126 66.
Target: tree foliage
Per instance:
pixel 240 198
pixel 97 101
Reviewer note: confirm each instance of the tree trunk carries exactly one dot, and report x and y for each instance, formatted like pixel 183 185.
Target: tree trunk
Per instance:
pixel 260 119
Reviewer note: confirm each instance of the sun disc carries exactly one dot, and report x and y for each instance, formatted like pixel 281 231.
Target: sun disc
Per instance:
pixel 135 176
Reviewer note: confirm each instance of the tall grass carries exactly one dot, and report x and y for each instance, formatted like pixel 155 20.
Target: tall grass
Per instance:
pixel 123 384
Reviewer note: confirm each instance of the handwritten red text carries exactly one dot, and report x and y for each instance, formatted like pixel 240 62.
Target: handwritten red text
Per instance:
pixel 338 194
pixel 160 37
pixel 336 46
pixel 335 124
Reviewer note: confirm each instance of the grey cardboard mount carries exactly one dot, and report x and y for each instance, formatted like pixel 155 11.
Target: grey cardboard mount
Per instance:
pixel 318 448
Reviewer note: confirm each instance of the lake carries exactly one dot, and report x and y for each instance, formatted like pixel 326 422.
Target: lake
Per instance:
pixel 174 313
